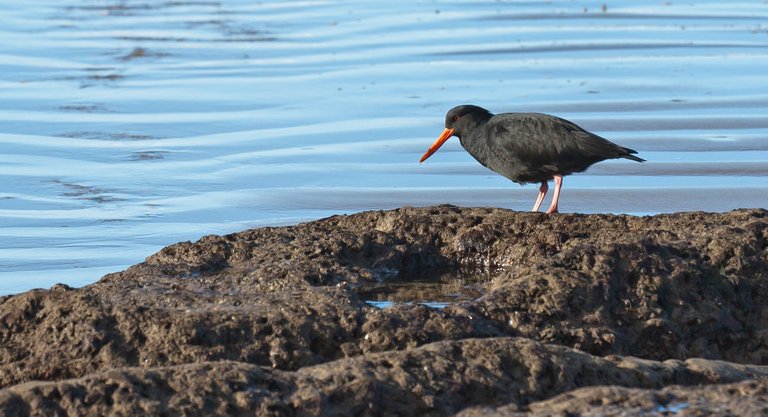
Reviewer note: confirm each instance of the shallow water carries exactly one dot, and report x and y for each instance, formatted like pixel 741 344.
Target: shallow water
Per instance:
pixel 434 290
pixel 127 126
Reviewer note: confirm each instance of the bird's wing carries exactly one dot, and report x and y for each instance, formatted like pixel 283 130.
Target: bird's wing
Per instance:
pixel 548 142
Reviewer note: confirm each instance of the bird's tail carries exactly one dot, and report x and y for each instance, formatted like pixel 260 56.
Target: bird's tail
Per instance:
pixel 629 155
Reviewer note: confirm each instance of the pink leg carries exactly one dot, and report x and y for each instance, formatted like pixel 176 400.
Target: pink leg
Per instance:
pixel 542 192
pixel 558 183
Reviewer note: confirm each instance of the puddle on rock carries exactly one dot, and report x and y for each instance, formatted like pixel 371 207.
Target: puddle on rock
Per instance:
pixel 434 292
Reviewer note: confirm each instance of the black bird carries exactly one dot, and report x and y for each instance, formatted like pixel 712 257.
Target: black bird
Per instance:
pixel 528 147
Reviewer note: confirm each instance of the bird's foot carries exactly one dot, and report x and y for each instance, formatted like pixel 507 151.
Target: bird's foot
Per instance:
pixel 555 198
pixel 542 192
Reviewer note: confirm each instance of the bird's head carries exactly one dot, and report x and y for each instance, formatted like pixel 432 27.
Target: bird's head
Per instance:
pixel 458 121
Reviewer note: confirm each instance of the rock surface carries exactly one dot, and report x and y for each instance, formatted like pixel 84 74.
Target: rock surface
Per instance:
pixel 743 399
pixel 275 321
pixel 439 378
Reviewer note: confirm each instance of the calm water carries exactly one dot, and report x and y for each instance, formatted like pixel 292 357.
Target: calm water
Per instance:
pixel 126 126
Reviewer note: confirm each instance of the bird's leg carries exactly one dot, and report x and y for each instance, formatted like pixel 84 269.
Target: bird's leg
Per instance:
pixel 558 183
pixel 542 192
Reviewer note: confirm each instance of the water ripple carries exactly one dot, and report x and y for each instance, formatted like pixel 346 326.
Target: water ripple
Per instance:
pixel 129 126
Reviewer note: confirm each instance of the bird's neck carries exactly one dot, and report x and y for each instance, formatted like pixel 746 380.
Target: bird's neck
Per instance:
pixel 474 141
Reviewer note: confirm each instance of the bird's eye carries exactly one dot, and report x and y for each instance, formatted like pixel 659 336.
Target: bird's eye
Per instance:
pixel 456 118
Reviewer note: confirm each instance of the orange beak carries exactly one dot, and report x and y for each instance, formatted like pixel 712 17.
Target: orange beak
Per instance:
pixel 447 133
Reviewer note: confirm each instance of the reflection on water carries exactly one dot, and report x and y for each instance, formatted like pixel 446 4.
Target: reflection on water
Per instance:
pixel 432 291
pixel 390 304
pixel 127 126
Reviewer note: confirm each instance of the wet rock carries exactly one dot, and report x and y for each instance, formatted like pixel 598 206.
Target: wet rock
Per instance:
pixel 61 334
pixel 285 300
pixel 749 398
pixel 439 379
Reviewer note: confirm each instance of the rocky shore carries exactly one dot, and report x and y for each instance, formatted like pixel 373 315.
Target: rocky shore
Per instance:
pixel 530 315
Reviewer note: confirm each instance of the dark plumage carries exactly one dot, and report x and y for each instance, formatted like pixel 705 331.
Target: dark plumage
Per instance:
pixel 528 147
